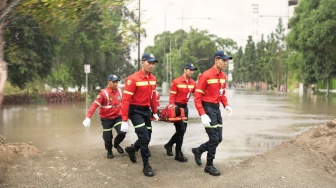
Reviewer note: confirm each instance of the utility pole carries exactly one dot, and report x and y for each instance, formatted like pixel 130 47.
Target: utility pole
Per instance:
pixel 255 21
pixel 139 39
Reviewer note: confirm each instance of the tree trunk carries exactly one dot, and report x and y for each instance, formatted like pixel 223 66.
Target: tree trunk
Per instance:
pixel 3 67
pixel 328 86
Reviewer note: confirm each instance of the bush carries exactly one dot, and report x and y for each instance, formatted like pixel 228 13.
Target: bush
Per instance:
pixel 43 97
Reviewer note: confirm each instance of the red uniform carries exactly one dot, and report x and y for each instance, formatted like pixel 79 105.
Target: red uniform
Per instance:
pixel 140 90
pixel 158 98
pixel 211 88
pixel 109 102
pixel 181 90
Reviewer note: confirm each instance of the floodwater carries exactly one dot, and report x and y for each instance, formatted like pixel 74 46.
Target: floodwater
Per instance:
pixel 260 121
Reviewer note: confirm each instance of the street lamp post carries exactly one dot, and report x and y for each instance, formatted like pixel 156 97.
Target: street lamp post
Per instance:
pixel 139 39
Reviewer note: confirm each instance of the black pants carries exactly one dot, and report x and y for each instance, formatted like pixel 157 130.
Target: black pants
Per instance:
pixel 108 125
pixel 181 128
pixel 214 132
pixel 140 118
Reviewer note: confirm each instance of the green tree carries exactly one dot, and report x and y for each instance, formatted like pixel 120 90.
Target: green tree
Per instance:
pixel 196 46
pixel 6 9
pixel 29 53
pixel 238 71
pixel 249 60
pixel 313 35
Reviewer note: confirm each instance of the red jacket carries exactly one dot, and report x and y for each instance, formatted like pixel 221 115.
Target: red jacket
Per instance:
pixel 208 89
pixel 139 90
pixel 109 102
pixel 158 98
pixel 180 90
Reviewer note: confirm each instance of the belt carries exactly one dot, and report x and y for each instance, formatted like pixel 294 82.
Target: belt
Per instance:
pixel 140 107
pixel 213 105
pixel 180 105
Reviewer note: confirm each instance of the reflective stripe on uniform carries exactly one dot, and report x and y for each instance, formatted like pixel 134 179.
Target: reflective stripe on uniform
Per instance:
pixel 98 103
pixel 141 125
pixel 149 127
pixel 144 83
pixel 117 124
pixel 107 129
pixel 108 101
pixel 109 106
pixel 120 92
pixel 128 92
pixel 181 86
pixel 219 125
pixel 212 81
pixel 215 81
pixel 200 91
pixel 211 126
pixel 173 92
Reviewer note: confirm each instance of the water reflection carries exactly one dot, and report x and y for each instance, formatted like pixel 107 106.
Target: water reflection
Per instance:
pixel 260 121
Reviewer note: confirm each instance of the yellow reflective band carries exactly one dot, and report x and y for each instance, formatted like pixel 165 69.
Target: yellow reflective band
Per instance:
pixel 200 91
pixel 173 92
pixel 185 121
pixel 153 83
pixel 222 81
pixel 107 130
pixel 211 127
pixel 117 124
pixel 219 125
pixel 141 125
pixel 212 81
pixel 149 127
pixel 191 86
pixel 181 86
pixel 128 92
pixel 145 83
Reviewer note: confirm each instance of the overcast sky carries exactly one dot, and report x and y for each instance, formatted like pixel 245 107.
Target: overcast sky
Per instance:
pixel 233 19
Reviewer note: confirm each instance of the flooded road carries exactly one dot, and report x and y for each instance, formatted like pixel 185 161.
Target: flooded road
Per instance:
pixel 260 121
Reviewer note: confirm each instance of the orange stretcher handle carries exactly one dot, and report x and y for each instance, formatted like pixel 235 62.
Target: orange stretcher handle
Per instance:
pixel 171 120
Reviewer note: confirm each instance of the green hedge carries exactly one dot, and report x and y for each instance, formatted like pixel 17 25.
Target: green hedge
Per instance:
pixel 43 97
pixel 323 84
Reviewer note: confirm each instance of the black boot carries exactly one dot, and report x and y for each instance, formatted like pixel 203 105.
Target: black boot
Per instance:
pixel 179 156
pixel 169 149
pixel 147 169
pixel 109 154
pixel 131 153
pixel 119 149
pixel 209 168
pixel 197 153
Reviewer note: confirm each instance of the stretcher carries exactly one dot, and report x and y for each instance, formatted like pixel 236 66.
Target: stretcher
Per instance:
pixel 171 114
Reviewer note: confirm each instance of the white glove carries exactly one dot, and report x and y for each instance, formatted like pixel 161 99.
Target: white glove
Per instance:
pixel 87 122
pixel 205 120
pixel 229 110
pixel 124 126
pixel 156 117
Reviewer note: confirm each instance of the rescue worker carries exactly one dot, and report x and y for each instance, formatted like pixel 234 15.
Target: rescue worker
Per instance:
pixel 139 99
pixel 109 100
pixel 180 91
pixel 157 97
pixel 210 91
